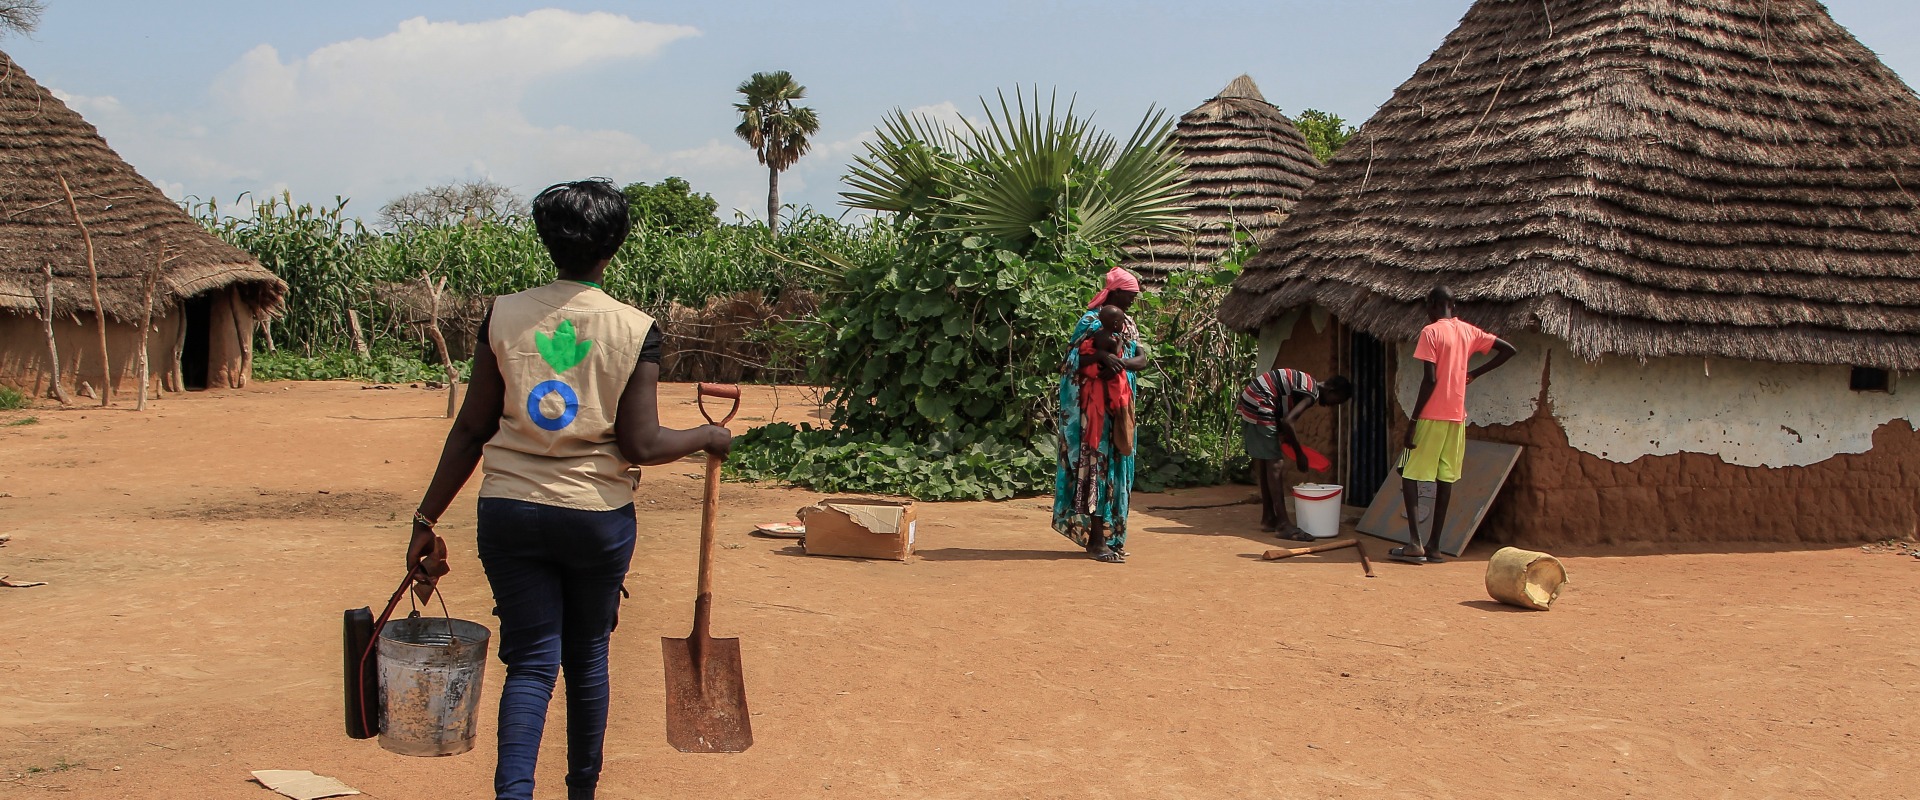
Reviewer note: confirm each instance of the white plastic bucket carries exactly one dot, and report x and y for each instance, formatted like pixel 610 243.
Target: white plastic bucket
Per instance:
pixel 1316 509
pixel 431 669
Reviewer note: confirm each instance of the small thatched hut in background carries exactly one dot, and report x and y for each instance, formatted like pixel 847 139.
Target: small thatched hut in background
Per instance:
pixel 208 296
pixel 1696 218
pixel 1248 165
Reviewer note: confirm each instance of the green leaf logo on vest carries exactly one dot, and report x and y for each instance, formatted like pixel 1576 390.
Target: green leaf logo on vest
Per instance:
pixel 559 349
pixel 562 352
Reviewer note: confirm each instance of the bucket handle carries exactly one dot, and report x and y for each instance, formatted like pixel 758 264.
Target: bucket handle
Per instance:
pixel 1304 496
pixel 418 573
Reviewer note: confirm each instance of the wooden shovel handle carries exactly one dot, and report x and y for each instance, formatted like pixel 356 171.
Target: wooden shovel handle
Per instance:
pixel 703 391
pixel 709 509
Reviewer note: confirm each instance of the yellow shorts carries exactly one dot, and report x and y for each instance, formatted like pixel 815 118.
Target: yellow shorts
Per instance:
pixel 1439 449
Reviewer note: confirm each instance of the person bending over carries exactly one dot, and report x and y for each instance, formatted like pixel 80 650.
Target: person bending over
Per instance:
pixel 1269 407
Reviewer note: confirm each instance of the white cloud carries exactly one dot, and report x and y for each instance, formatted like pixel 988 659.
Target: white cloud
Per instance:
pixel 372 118
pixel 947 114
pixel 715 154
pixel 432 102
pixel 105 104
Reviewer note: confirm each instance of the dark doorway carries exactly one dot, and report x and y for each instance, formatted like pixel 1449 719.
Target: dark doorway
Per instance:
pixel 196 349
pixel 1369 451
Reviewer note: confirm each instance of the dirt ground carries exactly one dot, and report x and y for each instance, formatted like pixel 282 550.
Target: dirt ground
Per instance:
pixel 197 558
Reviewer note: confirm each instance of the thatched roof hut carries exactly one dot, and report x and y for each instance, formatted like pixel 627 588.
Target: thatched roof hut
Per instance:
pixel 1247 165
pixel 1645 178
pixel 1697 220
pixel 132 225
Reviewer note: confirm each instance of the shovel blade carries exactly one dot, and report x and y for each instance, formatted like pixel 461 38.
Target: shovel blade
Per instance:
pixel 706 696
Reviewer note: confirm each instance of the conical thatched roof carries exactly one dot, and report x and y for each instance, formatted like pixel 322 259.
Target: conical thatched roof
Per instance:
pixel 1641 177
pixel 1248 165
pixel 41 141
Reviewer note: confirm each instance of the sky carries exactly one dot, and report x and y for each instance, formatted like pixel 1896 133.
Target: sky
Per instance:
pixel 370 99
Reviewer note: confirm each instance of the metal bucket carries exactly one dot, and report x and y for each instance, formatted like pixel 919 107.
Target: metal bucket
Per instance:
pixel 1525 578
pixel 430 677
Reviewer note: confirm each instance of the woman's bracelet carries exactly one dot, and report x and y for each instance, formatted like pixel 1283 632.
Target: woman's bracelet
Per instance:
pixel 421 519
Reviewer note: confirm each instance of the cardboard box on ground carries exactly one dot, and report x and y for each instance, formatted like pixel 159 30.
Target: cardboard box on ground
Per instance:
pixel 854 527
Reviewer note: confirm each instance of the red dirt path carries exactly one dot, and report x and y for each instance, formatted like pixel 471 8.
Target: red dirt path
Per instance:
pixel 190 633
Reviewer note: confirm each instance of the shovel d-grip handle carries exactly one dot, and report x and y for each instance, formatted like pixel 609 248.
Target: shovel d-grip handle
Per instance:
pixel 722 390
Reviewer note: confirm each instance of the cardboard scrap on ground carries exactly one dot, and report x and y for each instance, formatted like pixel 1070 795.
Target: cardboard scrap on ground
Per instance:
pixel 859 528
pixel 12 584
pixel 300 784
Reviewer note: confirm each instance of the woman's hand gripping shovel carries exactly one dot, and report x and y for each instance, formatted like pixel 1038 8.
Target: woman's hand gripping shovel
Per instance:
pixel 706 693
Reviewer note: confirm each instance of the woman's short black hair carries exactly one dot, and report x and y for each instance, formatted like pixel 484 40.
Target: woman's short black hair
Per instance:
pixel 582 223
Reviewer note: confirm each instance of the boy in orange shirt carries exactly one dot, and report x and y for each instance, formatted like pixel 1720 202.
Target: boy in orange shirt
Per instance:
pixel 1437 440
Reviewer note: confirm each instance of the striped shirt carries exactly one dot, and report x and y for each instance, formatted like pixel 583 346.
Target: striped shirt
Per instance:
pixel 1272 396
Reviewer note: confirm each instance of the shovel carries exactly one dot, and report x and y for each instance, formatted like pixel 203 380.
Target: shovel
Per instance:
pixel 706 694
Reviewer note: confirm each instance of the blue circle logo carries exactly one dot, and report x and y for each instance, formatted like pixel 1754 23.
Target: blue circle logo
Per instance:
pixel 540 393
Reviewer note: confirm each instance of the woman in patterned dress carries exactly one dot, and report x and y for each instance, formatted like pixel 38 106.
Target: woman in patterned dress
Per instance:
pixel 1094 481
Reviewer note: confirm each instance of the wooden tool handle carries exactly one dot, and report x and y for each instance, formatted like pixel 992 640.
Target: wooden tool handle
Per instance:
pixel 709 509
pixel 1289 552
pixel 723 391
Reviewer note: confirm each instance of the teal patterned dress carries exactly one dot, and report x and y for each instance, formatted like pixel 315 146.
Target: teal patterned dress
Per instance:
pixel 1092 482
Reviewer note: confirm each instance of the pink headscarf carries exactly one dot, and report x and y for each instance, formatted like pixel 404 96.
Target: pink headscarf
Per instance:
pixel 1118 279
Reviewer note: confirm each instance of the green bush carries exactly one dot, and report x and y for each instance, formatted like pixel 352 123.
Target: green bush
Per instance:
pixel 942 358
pixel 942 467
pixel 12 399
pixel 349 366
pixel 332 263
pixel 1189 428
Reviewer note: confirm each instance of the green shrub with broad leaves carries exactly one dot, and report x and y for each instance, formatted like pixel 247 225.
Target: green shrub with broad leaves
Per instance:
pixel 944 466
pixel 942 362
pixel 1189 428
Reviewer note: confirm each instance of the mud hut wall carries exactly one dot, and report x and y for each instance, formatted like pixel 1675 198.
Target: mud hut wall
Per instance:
pixel 1306 340
pixel 1746 413
pixel 1559 496
pixel 23 352
pixel 1688 450
pixel 230 323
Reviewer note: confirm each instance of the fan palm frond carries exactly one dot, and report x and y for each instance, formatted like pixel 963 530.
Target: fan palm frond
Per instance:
pixel 1028 171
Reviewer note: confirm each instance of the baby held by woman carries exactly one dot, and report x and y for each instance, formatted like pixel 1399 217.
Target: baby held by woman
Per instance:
pixel 1112 394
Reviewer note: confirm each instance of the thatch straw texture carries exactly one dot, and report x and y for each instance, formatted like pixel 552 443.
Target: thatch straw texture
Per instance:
pixel 1247 166
pixel 1637 177
pixel 132 223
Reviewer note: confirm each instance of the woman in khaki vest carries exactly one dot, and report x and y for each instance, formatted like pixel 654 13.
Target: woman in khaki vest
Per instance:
pixel 561 403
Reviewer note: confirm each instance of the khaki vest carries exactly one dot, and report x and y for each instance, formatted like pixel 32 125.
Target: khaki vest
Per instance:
pixel 566 351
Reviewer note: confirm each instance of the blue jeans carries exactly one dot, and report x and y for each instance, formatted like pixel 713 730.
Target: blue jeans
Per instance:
pixel 556 575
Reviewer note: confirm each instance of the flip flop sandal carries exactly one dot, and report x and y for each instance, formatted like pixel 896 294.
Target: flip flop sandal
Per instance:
pixel 1110 557
pixel 1296 535
pixel 1433 557
pixel 1400 554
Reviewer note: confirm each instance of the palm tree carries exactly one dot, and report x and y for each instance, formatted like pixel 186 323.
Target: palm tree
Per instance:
pixel 1022 172
pixel 775 128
